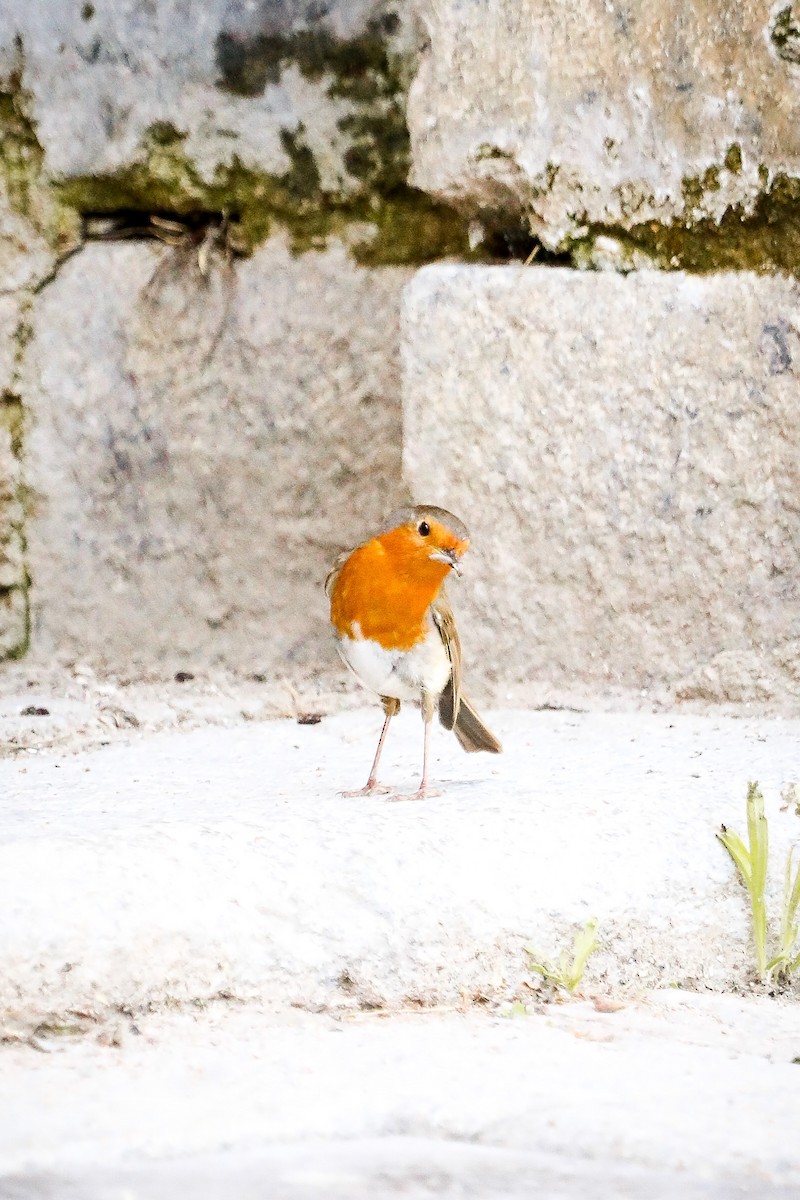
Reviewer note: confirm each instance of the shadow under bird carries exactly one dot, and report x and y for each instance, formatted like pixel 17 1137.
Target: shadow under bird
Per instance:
pixel 396 631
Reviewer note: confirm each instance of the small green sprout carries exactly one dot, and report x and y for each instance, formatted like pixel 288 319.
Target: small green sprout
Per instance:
pixel 517 1009
pixel 569 971
pixel 752 866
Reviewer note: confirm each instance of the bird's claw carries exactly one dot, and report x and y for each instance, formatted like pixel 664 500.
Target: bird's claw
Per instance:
pixel 423 793
pixel 369 789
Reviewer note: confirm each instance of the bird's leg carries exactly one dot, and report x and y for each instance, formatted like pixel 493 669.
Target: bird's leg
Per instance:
pixel 372 787
pixel 427 716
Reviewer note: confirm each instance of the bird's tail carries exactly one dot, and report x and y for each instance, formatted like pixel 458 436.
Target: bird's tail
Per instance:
pixel 468 727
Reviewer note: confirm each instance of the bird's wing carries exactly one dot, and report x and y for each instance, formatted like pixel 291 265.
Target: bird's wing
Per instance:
pixel 445 622
pixel 333 574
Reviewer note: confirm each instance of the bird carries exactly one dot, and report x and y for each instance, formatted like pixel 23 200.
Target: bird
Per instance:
pixel 394 627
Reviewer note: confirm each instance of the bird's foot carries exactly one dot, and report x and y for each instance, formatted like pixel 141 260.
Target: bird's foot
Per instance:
pixel 371 788
pixel 423 793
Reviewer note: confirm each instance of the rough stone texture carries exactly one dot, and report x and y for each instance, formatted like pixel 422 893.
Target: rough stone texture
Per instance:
pixel 31 234
pixel 12 571
pixel 249 114
pixel 625 451
pixel 11 565
pixel 225 862
pixel 25 260
pixel 218 71
pixel 604 113
pixel 200 448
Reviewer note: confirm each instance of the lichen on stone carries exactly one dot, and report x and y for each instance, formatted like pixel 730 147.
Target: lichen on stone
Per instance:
pixel 408 227
pixel 762 235
pixel 733 158
pixel 367 77
pixel 765 238
pixel 11 420
pixel 14 582
pixel 360 67
pixel 22 177
pixel 784 34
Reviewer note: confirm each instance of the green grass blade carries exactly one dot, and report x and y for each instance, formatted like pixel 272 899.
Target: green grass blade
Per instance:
pixel 792 891
pixel 789 926
pixel 568 972
pixel 738 852
pixel 585 944
pixel 539 967
pixel 751 863
pixel 758 834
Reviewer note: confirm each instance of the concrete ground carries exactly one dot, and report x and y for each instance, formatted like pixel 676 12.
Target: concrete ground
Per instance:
pixel 672 1094
pixel 218 977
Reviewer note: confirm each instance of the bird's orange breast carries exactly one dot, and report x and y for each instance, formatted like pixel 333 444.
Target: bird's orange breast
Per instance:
pixel 384 591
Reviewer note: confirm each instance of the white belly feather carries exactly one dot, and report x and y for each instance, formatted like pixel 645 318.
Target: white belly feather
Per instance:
pixel 402 674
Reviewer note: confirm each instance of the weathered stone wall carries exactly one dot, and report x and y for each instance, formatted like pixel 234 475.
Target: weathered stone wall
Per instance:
pixel 626 450
pixel 289 113
pixel 190 430
pixel 668 131
pixel 202 448
pixel 186 434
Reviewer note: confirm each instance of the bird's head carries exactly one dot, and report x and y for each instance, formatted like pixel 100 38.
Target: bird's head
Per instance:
pixel 427 539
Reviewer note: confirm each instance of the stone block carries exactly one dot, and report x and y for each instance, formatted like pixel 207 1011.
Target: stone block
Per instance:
pixel 626 451
pixel 584 116
pixel 201 447
pixel 289 112
pixel 229 76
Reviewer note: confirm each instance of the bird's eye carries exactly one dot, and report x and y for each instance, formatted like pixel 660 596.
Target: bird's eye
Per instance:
pixel 423 528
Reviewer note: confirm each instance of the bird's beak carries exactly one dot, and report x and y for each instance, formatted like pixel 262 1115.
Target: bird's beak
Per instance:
pixel 450 557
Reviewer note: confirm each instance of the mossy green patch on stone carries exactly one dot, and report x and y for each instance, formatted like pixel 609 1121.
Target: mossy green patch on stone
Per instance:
pixel 764 240
pixel 371 77
pixel 733 159
pixel 11 416
pixel 695 188
pixel 762 235
pixel 409 227
pixel 164 178
pixel 302 182
pixel 364 75
pixel 785 34
pixel 21 156
pixel 364 71
pixel 14 604
pixel 360 66
pixel 15 622
pixel 21 169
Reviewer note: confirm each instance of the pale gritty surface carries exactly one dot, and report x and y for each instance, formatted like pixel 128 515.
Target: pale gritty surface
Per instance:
pixel 219 977
pixel 673 1094
pixel 598 114
pixel 625 452
pixel 182 866
pixel 200 449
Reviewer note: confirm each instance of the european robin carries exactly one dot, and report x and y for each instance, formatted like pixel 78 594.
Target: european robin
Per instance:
pixel 396 631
